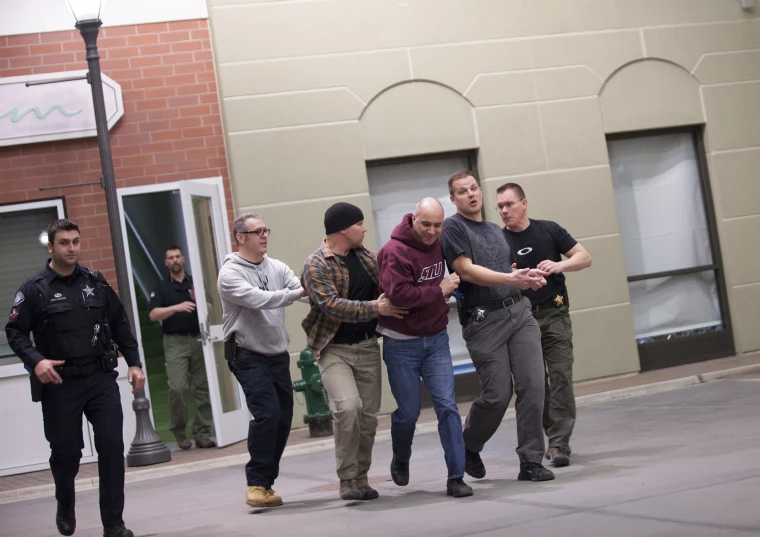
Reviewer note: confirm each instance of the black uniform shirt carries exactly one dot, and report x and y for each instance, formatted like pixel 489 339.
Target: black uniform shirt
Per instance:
pixel 360 287
pixel 170 292
pixel 541 240
pixel 29 311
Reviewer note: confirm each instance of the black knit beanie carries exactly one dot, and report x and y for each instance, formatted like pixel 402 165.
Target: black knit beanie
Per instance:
pixel 341 216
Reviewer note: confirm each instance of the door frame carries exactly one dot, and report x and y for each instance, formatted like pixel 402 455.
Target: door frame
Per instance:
pixel 150 189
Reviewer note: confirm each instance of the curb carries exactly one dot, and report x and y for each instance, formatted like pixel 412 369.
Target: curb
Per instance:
pixel 43 491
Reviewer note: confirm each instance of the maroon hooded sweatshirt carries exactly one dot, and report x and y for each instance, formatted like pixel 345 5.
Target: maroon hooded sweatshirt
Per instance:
pixel 410 276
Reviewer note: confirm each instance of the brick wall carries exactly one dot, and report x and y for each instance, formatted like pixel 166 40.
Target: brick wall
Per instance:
pixel 171 129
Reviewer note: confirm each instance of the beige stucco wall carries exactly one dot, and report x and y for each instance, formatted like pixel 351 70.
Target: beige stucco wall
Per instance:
pixel 311 90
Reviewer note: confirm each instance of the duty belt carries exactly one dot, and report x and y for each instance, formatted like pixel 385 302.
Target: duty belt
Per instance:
pixel 84 367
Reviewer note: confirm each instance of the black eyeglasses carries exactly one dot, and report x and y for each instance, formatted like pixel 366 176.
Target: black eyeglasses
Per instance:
pixel 508 205
pixel 257 232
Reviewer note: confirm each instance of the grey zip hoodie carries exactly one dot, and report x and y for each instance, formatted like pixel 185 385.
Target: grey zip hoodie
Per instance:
pixel 253 302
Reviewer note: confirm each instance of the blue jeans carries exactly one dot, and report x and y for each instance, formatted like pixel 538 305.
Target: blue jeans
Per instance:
pixel 430 358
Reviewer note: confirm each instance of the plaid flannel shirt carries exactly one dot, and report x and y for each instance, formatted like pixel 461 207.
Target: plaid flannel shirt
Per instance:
pixel 325 278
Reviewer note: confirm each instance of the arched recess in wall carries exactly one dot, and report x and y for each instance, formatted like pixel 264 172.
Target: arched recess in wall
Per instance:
pixel 650 94
pixel 417 118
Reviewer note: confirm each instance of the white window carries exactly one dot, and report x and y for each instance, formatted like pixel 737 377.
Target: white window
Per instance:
pixel 394 191
pixel 23 227
pixel 665 236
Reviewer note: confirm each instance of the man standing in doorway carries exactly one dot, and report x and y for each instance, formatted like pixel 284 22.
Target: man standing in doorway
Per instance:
pixel 541 244
pixel 412 275
pixel 173 303
pixel 255 289
pixel 342 284
pixel 501 334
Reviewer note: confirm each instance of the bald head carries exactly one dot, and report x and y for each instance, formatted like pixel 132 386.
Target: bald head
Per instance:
pixel 429 207
pixel 427 221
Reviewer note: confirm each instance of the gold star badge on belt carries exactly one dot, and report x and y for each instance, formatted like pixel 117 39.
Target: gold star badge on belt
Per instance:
pixel 559 300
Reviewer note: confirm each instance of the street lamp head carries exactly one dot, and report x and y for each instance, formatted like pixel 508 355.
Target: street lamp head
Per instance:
pixel 85 10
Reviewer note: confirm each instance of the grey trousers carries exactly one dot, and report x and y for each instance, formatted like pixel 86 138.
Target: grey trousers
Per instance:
pixel 506 351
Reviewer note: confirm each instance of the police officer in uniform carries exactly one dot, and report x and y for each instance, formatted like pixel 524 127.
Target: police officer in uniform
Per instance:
pixel 542 244
pixel 76 317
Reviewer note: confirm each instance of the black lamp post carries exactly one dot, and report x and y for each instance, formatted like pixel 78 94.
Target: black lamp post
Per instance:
pixel 147 447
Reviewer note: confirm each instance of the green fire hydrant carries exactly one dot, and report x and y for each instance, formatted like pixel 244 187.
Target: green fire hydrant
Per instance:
pixel 318 416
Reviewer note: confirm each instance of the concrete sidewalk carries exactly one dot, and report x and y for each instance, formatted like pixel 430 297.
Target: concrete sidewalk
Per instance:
pixel 680 463
pixel 40 484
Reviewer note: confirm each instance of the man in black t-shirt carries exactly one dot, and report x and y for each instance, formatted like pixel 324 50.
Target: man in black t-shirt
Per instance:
pixel 173 303
pixel 541 244
pixel 502 336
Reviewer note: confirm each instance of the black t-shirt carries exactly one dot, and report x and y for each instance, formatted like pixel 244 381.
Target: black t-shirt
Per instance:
pixel 485 245
pixel 169 292
pixel 541 240
pixel 360 287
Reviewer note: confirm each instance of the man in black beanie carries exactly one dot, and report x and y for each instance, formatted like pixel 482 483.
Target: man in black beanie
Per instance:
pixel 341 281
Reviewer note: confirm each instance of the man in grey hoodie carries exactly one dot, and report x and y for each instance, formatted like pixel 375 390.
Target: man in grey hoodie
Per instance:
pixel 255 290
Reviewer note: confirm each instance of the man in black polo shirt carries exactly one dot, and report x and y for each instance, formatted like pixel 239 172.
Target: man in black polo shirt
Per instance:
pixel 541 244
pixel 173 303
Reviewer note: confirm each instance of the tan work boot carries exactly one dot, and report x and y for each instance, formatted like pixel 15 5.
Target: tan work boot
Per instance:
pixel 182 441
pixel 256 497
pixel 272 499
pixel 349 490
pixel 558 457
pixel 366 492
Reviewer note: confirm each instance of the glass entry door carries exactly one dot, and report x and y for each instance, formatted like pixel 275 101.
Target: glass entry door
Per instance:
pixel 207 244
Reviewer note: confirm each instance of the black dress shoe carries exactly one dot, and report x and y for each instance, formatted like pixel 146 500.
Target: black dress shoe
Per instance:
pixel 65 518
pixel 473 464
pixel 399 472
pixel 458 488
pixel 533 471
pixel 117 531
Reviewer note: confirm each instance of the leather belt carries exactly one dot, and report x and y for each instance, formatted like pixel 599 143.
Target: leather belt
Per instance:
pixel 353 339
pixel 553 302
pixel 500 304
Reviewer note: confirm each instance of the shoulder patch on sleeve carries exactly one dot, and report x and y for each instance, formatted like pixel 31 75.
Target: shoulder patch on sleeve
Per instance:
pixel 19 298
pixel 98 276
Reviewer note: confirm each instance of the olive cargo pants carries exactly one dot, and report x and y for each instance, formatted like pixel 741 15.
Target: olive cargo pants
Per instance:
pixel 184 361
pixel 557 346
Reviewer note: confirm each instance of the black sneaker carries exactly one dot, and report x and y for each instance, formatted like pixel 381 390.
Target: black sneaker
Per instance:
pixel 473 464
pixel 458 488
pixel 400 472
pixel 533 471
pixel 65 519
pixel 117 531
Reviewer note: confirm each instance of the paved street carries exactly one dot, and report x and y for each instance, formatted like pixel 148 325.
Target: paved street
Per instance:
pixel 685 462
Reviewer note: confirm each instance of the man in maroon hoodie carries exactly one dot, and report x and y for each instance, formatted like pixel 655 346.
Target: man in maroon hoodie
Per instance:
pixel 412 276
